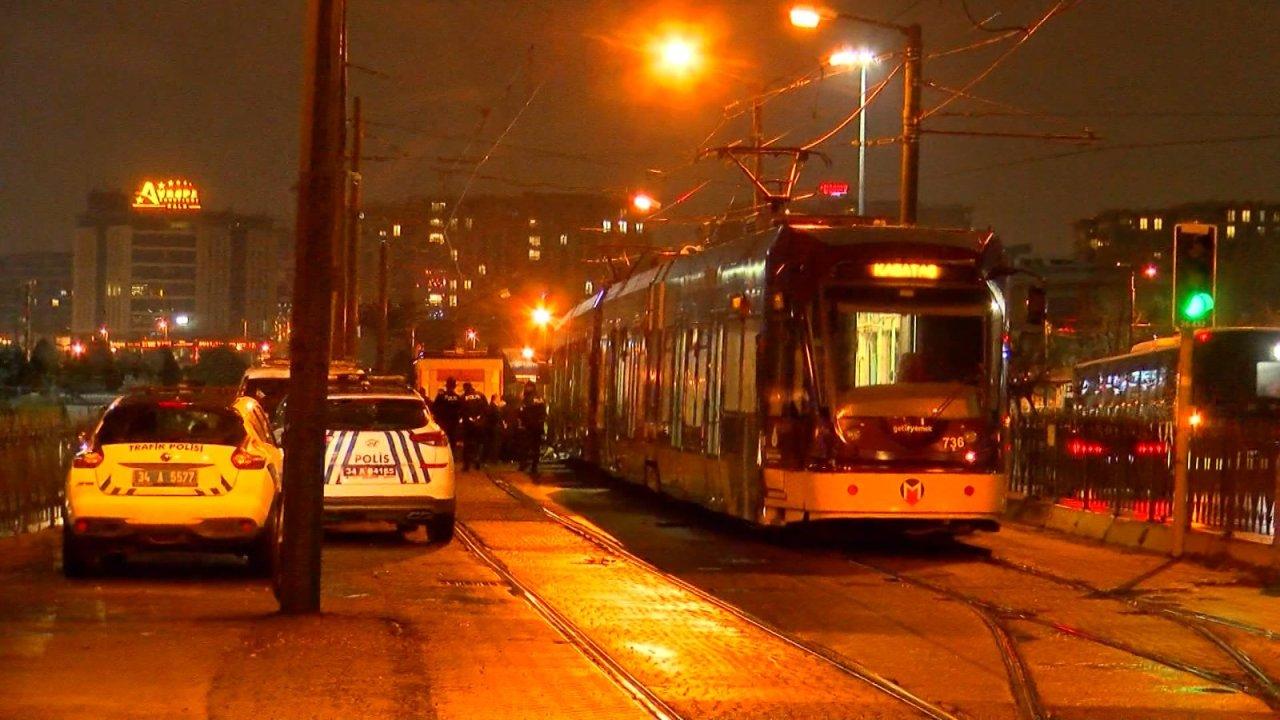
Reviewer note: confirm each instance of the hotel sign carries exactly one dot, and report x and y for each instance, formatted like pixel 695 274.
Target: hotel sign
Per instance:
pixel 167 195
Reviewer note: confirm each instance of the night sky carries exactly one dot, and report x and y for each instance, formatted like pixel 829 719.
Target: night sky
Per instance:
pixel 101 94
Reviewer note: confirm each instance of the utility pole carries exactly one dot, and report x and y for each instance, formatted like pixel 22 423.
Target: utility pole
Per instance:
pixel 380 361
pixel 909 178
pixel 351 295
pixel 297 574
pixel 757 142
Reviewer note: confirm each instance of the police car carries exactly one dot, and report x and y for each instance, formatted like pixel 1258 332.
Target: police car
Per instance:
pixel 386 459
pixel 172 470
pixel 268 382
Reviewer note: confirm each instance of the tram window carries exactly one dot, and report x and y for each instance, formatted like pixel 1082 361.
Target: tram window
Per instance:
pixel 748 402
pixel 882 348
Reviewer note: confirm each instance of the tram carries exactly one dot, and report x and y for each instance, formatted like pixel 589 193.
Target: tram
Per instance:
pixel 824 368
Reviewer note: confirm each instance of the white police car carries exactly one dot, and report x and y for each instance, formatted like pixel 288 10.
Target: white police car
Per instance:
pixel 171 470
pixel 386 459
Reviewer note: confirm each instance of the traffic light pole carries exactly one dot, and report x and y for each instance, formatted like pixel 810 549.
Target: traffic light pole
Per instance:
pixel 297 573
pixel 1182 443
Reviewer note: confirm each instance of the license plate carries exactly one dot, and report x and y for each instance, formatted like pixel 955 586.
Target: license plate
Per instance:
pixel 164 478
pixel 370 471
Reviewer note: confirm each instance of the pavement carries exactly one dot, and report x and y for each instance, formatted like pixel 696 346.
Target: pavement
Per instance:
pixel 705 617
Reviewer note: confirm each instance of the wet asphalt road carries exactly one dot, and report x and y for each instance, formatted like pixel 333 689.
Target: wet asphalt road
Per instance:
pixel 1011 625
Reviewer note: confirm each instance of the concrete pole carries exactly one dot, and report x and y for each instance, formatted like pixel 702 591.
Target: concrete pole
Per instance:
pixel 351 295
pixel 297 573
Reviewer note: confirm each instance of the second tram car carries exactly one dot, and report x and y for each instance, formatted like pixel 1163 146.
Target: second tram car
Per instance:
pixel 820 369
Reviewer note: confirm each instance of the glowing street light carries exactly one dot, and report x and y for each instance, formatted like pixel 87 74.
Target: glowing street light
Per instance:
pixel 677 55
pixel 847 57
pixel 541 316
pixel 805 16
pixel 644 202
pixel 527 353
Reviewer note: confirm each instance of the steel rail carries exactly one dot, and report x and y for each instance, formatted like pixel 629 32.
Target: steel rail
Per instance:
pixel 645 697
pixel 826 655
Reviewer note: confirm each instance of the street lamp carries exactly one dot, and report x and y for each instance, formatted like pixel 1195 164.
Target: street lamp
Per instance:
pixel 808 17
pixel 541 316
pixel 863 58
pixel 677 55
pixel 644 202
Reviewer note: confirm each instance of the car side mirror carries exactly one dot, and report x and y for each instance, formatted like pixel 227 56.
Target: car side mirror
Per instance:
pixel 1037 305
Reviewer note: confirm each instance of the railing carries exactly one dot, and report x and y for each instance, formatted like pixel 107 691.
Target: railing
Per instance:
pixel 1124 468
pixel 36 446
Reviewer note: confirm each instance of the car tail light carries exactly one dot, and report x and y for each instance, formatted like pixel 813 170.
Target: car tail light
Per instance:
pixel 434 438
pixel 87 460
pixel 244 460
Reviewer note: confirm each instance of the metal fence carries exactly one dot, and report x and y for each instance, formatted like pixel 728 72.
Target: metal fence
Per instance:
pixel 36 445
pixel 1125 468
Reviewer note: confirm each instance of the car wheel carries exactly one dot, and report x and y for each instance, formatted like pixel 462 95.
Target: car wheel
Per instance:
pixel 262 556
pixel 77 561
pixel 440 528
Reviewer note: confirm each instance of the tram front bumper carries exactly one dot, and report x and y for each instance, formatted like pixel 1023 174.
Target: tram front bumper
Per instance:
pixel 800 496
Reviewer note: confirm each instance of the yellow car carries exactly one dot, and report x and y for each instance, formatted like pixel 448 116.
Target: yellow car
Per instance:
pixel 174 471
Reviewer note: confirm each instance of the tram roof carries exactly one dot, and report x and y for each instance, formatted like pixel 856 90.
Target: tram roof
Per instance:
pixel 848 230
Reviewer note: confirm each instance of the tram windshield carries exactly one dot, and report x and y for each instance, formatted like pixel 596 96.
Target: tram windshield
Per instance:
pixel 907 361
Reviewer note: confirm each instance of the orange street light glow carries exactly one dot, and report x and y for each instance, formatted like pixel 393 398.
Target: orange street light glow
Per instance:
pixel 541 316
pixel 643 202
pixel 805 16
pixel 527 353
pixel 677 55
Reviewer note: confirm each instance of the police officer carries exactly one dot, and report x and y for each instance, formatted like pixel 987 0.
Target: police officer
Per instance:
pixel 493 449
pixel 475 422
pixel 533 419
pixel 447 407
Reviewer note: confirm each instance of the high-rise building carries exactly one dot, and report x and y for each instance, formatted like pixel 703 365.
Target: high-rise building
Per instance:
pixel 35 291
pixel 156 264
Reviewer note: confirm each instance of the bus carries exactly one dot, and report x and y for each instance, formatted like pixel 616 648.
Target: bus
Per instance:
pixel 821 369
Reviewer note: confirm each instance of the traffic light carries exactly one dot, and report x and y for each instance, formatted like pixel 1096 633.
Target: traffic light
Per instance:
pixel 1195 254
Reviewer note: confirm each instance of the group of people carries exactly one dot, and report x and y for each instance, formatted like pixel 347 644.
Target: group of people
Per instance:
pixel 491 429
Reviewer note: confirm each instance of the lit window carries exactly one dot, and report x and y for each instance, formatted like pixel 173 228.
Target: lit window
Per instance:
pixel 1231 215
pixel 437 207
pixel 466 284
pixel 535 241
pixel 437 222
pixel 1158 223
pixel 1231 231
pixel 1142 223
pixel 453 223
pixel 470 223
pixel 453 284
pixel 564 239
pixel 453 301
pixel 535 254
pixel 435 299
pixel 382 233
pixel 453 255
pixel 607 225
pixel 533 222
pixel 589 287
pixel 436 238
pixel 622 226
pixel 482 270
pixel 1245 215
pixel 54 302
pixel 639 228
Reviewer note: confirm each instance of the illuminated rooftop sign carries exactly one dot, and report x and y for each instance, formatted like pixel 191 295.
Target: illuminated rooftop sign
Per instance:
pixel 905 271
pixel 167 195
pixel 831 188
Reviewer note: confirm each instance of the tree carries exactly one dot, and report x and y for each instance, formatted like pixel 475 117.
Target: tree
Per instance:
pixel 42 368
pixel 219 367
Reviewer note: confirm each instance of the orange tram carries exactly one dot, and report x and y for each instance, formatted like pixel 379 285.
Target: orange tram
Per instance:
pixel 822 369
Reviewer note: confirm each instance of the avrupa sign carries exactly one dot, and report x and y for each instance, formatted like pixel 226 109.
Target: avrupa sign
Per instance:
pixel 167 195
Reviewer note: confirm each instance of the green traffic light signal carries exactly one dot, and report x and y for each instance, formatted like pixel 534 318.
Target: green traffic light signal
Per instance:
pixel 1198 306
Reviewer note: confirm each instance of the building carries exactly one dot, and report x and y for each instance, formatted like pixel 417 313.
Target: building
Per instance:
pixel 484 263
pixel 1248 288
pixel 156 264
pixel 35 292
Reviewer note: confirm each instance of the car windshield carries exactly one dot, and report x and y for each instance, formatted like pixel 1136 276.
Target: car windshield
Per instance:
pixel 171 422
pixel 376 414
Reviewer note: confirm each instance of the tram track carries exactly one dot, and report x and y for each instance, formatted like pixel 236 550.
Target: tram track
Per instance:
pixel 1261 684
pixel 820 653
pixel 644 696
